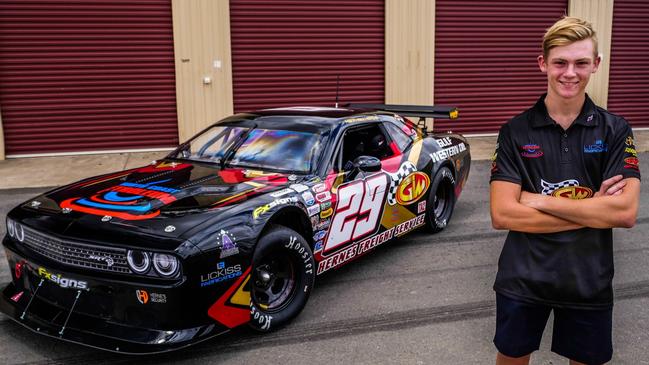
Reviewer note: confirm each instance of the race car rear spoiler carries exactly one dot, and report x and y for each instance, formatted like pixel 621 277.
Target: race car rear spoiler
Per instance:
pixel 421 111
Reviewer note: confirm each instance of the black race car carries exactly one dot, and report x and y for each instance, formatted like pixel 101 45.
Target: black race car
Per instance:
pixel 230 228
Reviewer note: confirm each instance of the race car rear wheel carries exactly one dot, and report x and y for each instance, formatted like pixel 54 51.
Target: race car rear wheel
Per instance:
pixel 281 279
pixel 441 200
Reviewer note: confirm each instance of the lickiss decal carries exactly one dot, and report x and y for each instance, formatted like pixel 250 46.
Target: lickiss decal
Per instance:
pixel 128 200
pixel 566 189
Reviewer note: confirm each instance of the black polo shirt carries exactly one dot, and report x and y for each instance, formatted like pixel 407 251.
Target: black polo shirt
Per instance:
pixel 571 268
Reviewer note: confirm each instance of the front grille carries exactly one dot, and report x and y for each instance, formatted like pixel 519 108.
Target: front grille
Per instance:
pixel 77 254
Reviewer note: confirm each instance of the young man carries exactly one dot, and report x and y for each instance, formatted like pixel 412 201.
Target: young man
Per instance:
pixel 564 173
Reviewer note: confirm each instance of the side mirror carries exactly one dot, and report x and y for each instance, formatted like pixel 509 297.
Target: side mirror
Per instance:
pixel 367 163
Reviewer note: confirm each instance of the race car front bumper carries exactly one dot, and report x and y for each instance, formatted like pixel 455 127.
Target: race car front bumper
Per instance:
pixel 89 331
pixel 100 313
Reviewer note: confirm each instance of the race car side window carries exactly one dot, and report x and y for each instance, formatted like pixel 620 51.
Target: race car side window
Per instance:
pixel 364 141
pixel 398 136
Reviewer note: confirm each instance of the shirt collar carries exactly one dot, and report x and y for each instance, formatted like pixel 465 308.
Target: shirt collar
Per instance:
pixel 541 118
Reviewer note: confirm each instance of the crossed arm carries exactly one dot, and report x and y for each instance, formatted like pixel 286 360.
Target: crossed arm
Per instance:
pixel 614 205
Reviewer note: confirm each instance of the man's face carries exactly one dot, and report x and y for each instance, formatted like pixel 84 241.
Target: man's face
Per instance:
pixel 569 68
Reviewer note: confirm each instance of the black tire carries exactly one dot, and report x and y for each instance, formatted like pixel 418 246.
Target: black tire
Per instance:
pixel 283 272
pixel 441 200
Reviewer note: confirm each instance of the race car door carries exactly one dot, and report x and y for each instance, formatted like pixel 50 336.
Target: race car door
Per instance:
pixel 360 195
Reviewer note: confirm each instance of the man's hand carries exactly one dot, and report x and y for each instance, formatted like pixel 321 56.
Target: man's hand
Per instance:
pixel 611 186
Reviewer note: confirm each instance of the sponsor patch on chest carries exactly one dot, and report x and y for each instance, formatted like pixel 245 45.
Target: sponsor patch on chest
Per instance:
pixel 598 147
pixel 566 189
pixel 531 150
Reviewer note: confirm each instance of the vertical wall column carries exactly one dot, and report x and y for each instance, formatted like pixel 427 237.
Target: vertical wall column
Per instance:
pixel 600 14
pixel 203 63
pixel 409 52
pixel 2 140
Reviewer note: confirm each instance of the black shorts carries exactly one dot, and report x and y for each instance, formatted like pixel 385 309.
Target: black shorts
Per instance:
pixel 578 334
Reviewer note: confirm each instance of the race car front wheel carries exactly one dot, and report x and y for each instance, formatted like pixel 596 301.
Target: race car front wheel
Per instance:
pixel 441 200
pixel 281 280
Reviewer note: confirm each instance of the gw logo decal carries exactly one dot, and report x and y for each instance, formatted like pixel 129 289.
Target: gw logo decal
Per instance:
pixel 412 188
pixel 566 189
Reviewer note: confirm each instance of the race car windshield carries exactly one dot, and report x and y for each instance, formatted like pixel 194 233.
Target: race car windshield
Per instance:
pixel 211 145
pixel 270 149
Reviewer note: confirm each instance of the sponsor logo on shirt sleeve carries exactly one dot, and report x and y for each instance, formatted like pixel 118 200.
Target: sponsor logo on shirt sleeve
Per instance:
pixel 631 163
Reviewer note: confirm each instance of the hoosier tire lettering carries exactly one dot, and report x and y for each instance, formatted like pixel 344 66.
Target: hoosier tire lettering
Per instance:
pixel 281 279
pixel 258 319
pixel 293 244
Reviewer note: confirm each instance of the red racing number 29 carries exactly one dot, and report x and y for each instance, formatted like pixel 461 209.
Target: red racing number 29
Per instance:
pixel 358 211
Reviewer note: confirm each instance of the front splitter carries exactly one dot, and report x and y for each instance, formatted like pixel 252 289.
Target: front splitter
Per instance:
pixel 26 310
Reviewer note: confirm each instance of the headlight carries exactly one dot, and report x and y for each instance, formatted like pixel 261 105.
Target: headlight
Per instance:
pixel 164 264
pixel 138 261
pixel 11 228
pixel 15 230
pixel 20 232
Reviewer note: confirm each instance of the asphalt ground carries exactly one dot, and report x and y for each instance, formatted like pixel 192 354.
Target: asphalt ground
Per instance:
pixel 423 299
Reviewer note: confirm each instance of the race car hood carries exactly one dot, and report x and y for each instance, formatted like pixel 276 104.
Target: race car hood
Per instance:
pixel 149 200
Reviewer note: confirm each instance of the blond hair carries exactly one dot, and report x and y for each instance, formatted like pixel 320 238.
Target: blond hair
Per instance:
pixel 568 30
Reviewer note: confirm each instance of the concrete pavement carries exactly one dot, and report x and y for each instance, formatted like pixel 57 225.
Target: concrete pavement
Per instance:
pixel 35 172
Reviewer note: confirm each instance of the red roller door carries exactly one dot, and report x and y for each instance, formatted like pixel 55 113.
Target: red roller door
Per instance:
pixel 485 59
pixel 288 53
pixel 86 75
pixel 628 92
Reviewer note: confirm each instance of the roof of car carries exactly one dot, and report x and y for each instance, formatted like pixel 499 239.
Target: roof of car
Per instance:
pixel 303 118
pixel 324 112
